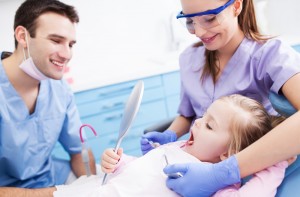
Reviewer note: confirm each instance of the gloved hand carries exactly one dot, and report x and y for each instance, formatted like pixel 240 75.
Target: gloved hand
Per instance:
pixel 156 137
pixel 203 179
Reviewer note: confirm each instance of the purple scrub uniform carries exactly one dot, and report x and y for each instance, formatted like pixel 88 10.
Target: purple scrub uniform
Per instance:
pixel 254 70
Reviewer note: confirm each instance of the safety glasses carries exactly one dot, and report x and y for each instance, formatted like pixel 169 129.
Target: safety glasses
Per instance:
pixel 206 20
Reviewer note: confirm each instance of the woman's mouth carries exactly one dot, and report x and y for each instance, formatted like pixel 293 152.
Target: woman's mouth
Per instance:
pixel 208 40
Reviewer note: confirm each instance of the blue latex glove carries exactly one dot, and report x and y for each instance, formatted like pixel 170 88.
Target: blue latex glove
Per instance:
pixel 158 137
pixel 203 179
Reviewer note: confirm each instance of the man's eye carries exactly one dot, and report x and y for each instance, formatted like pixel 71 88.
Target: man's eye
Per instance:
pixel 56 41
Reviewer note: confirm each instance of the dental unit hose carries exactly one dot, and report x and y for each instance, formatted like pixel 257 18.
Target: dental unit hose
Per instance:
pixel 84 151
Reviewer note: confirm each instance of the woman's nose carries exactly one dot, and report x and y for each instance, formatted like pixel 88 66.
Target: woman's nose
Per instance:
pixel 199 31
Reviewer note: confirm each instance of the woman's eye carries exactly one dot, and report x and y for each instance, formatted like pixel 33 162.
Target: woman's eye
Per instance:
pixel 189 21
pixel 210 19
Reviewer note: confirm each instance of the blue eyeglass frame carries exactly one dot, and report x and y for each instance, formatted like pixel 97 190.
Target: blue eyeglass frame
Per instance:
pixel 207 12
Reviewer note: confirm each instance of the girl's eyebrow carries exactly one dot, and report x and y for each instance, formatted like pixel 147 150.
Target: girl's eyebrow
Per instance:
pixel 210 117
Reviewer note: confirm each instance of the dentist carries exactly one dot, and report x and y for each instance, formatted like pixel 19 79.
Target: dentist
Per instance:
pixel 37 108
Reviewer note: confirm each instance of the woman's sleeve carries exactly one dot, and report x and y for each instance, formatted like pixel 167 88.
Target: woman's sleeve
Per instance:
pixel 263 183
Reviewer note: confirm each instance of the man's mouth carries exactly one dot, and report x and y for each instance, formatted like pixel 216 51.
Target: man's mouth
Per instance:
pixel 59 64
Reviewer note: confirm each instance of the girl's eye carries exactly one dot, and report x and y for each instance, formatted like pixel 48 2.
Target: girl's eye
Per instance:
pixel 208 126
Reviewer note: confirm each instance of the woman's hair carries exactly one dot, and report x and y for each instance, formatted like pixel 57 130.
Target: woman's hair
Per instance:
pixel 247 23
pixel 30 10
pixel 249 123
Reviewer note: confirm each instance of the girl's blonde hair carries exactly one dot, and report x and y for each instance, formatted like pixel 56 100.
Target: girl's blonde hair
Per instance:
pixel 247 23
pixel 251 124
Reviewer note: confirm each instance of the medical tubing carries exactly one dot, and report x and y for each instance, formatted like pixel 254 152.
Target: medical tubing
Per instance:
pixel 86 160
pixel 84 151
pixel 80 131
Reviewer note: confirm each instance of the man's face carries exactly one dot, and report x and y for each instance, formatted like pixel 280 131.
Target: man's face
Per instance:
pixel 51 49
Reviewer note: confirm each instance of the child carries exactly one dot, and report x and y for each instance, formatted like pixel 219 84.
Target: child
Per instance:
pixel 230 124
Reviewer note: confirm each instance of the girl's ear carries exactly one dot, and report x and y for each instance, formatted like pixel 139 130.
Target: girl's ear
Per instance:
pixel 224 156
pixel 20 32
pixel 238 6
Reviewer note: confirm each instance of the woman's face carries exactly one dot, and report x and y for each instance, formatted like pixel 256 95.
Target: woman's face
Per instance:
pixel 210 135
pixel 217 37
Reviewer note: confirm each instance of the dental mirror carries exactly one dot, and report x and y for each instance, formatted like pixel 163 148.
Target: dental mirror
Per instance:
pixel 130 111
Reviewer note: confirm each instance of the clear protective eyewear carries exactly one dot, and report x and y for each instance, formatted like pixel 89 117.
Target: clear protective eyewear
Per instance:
pixel 206 20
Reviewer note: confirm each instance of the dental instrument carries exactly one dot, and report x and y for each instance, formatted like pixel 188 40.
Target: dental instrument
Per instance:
pixel 131 109
pixel 153 144
pixel 84 151
pixel 172 175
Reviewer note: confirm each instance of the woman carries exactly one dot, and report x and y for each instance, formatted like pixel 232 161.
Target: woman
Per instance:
pixel 232 57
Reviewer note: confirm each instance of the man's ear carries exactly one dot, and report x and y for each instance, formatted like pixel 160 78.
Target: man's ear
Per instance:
pixel 20 36
pixel 238 6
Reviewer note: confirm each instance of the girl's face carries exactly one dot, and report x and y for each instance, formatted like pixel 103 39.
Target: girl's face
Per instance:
pixel 217 37
pixel 210 135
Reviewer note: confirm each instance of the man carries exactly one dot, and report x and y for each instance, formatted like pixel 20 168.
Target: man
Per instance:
pixel 37 107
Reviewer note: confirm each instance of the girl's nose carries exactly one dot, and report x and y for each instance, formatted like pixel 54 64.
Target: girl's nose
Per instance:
pixel 198 122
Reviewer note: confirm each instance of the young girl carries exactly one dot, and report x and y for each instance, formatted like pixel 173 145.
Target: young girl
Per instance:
pixel 232 57
pixel 230 124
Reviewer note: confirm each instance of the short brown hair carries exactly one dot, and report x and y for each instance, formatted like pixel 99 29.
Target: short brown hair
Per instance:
pixel 30 10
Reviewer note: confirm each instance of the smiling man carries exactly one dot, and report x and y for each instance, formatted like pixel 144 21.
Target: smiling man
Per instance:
pixel 37 107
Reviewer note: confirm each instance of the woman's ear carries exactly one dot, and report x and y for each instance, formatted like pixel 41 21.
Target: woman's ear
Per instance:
pixel 238 6
pixel 20 36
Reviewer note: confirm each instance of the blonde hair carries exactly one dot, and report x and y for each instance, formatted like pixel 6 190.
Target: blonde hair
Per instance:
pixel 250 125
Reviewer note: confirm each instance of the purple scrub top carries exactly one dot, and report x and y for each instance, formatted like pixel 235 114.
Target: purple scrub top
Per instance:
pixel 254 70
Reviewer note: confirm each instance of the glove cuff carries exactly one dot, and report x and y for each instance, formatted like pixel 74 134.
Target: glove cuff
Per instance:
pixel 172 135
pixel 229 171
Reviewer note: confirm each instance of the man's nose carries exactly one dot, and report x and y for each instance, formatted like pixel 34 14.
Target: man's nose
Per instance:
pixel 65 52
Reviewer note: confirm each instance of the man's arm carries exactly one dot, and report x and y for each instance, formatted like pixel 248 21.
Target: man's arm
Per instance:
pixel 22 192
pixel 77 164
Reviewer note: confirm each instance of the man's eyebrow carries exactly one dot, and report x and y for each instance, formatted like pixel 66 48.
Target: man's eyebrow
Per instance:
pixel 60 37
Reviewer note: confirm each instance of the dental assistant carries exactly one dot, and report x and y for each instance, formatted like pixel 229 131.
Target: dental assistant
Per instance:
pixel 37 107
pixel 231 57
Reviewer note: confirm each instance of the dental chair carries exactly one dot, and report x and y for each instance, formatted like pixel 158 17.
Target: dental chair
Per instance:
pixel 291 184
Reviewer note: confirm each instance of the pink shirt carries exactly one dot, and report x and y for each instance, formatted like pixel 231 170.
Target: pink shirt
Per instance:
pixel 263 183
